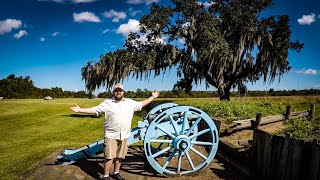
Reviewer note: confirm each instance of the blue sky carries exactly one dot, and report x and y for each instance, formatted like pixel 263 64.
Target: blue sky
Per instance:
pixel 51 40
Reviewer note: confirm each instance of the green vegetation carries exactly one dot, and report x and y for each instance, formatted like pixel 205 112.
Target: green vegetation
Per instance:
pixel 20 87
pixel 224 46
pixel 212 94
pixel 31 129
pixel 302 127
pixel 238 110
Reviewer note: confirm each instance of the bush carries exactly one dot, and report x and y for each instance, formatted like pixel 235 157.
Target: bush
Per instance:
pixel 301 127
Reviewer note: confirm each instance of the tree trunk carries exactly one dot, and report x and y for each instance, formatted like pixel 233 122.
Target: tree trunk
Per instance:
pixel 224 93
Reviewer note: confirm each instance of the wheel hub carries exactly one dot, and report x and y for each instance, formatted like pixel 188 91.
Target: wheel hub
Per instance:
pixel 182 143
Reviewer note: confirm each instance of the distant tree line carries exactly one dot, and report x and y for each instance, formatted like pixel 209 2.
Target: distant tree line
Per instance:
pixel 14 87
pixel 145 93
pixel 139 93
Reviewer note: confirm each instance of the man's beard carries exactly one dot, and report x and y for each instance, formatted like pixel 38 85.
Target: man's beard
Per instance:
pixel 117 98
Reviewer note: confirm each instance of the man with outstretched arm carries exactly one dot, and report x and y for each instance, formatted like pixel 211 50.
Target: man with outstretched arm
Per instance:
pixel 117 126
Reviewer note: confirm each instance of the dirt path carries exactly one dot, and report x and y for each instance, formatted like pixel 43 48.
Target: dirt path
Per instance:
pixel 248 133
pixel 133 168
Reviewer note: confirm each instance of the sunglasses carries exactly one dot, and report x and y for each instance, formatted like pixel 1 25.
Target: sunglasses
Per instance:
pixel 118 90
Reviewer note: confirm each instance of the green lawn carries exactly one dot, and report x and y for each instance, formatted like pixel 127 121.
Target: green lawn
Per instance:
pixel 32 129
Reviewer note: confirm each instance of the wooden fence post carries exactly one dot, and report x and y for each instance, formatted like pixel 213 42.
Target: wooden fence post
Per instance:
pixel 288 112
pixel 218 125
pixel 311 111
pixel 1 99
pixel 256 124
pixel 315 161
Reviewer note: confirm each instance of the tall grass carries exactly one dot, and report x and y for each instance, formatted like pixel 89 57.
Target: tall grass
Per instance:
pixel 302 127
pixel 239 109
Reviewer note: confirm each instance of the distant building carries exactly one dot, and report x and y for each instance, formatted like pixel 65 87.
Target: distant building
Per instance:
pixel 47 98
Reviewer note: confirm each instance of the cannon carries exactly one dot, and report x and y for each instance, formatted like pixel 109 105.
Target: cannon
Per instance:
pixel 177 140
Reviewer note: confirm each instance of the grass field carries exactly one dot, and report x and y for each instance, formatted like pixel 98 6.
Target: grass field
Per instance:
pixel 32 129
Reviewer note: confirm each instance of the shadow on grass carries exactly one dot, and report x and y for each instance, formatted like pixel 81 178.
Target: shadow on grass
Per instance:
pixel 81 115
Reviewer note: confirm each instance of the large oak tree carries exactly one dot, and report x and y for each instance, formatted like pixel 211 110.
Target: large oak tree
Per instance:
pixel 224 45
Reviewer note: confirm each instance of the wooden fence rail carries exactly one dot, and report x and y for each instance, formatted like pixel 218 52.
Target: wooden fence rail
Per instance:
pixel 259 120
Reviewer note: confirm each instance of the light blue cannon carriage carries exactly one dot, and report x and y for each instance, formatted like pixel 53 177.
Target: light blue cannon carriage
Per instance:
pixel 177 140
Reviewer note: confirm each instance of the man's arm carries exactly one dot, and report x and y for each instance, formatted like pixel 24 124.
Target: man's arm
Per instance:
pixel 155 94
pixel 77 109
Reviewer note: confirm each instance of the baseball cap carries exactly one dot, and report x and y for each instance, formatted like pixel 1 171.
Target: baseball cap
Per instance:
pixel 118 86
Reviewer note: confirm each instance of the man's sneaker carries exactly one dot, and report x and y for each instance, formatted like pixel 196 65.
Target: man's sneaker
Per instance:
pixel 118 177
pixel 106 178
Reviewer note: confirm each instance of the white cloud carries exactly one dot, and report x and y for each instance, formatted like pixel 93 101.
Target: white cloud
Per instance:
pixel 20 34
pixel 151 1
pixel 83 1
pixel 85 17
pixel 116 16
pixel 307 71
pixel 55 33
pixel 316 86
pixel 206 4
pixel 307 19
pixel 135 1
pixel 147 2
pixel 105 31
pixel 9 24
pixel 143 38
pixel 132 26
pixel 133 12
pixel 42 39
pixel 57 1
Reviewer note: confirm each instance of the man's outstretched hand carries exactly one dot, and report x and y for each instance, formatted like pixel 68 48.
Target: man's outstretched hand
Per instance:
pixel 155 94
pixel 75 108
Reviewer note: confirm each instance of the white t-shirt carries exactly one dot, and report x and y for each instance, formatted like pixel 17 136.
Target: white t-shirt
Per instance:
pixel 118 116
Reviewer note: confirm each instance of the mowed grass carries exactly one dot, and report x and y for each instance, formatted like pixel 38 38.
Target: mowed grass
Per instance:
pixel 33 129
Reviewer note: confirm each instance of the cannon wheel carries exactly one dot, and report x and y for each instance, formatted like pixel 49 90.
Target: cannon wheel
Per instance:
pixel 156 111
pixel 184 152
